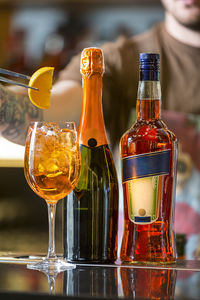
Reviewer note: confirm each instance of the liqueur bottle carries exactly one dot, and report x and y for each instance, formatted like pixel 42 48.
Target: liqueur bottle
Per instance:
pixel 91 212
pixel 149 157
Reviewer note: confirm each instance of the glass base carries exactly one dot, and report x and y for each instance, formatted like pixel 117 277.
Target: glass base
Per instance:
pixel 51 265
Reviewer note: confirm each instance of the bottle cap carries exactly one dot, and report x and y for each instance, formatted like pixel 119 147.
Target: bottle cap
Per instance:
pixel 150 61
pixel 149 66
pixel 92 61
pixel 149 56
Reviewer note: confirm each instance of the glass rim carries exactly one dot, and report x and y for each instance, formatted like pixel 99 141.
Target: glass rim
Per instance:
pixel 58 122
pixel 71 125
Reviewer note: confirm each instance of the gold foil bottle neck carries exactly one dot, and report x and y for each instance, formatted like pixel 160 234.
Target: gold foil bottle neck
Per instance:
pixel 92 61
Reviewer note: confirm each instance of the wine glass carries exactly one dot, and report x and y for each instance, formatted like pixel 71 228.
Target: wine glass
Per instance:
pixel 52 169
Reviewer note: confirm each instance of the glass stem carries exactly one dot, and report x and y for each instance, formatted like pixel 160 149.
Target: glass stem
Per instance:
pixel 51 281
pixel 51 217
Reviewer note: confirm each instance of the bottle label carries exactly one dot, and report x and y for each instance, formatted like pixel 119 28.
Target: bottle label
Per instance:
pixel 142 176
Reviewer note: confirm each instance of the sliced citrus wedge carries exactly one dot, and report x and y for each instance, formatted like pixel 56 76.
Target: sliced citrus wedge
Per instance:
pixel 41 79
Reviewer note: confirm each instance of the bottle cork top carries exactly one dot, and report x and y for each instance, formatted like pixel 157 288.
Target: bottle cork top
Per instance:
pixel 92 61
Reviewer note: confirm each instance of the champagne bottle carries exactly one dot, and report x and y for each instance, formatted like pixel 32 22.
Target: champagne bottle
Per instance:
pixel 91 212
pixel 149 157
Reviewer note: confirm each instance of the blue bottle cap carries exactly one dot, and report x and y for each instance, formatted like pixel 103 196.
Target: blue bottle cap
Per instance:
pixel 149 57
pixel 149 66
pixel 150 61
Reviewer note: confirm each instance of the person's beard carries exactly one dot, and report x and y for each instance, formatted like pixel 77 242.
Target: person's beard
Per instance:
pixel 195 26
pixel 192 23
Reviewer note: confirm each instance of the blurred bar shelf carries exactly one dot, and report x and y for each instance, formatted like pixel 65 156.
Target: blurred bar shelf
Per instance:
pixel 78 2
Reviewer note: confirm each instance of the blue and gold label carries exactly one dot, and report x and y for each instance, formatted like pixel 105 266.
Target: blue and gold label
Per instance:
pixel 142 177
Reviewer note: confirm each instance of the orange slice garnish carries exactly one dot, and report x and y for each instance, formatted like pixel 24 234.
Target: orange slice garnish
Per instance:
pixel 41 79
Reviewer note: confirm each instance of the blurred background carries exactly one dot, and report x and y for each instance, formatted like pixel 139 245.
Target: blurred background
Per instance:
pixel 39 33
pixel 35 33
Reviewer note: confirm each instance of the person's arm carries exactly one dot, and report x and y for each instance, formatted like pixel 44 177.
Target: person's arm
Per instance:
pixel 66 99
pixel 66 102
pixel 17 111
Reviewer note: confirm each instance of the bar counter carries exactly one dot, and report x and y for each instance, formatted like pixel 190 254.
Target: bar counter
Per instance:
pixel 177 281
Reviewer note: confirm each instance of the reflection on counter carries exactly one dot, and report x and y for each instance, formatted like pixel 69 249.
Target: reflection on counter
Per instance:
pixel 17 278
pixel 94 281
pixel 188 285
pixel 120 282
pixel 104 282
pixel 148 284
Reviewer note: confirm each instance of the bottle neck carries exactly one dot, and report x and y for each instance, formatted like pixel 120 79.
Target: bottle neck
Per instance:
pixel 91 130
pixel 148 100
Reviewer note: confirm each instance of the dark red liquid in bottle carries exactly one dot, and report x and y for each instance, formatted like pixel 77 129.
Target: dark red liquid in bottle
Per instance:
pixel 150 243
